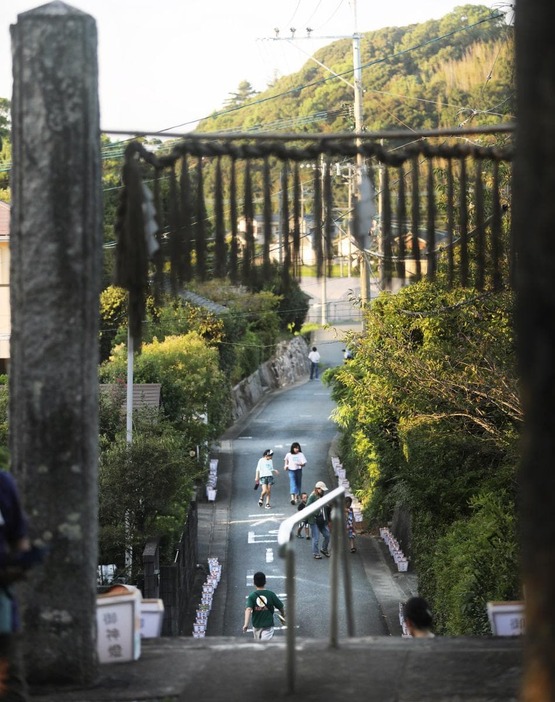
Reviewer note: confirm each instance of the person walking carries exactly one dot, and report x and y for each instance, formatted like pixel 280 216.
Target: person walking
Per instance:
pixel 319 522
pixel 350 523
pixel 303 525
pixel 264 475
pixel 314 358
pixel 294 462
pixel 261 605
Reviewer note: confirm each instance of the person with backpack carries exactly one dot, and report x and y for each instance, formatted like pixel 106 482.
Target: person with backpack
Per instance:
pixel 261 605
pixel 319 523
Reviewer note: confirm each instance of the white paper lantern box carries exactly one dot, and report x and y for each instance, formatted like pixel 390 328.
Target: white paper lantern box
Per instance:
pixel 152 617
pixel 118 623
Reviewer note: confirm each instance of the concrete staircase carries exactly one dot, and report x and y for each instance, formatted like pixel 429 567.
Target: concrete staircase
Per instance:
pixel 380 669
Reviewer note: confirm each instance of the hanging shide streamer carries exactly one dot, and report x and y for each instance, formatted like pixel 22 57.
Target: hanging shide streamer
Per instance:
pixel 463 224
pixel 267 220
pixel 219 235
pixel 233 249
pixel 285 273
pixel 386 233
pixel 431 224
pixel 480 256
pixel 401 224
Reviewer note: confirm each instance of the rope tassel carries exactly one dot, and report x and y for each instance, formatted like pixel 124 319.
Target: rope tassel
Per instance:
pixel 402 225
pixel 248 211
pixel 431 224
pixel 220 247
pixel 200 224
pixel 386 227
pixel 317 242
pixel 285 273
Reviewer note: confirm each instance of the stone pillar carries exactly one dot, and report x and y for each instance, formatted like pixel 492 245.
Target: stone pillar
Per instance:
pixel 55 281
pixel 534 223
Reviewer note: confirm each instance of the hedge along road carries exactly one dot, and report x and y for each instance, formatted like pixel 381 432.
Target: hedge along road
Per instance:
pixel 300 413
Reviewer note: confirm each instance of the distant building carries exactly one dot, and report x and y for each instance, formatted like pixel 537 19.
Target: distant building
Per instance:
pixel 306 225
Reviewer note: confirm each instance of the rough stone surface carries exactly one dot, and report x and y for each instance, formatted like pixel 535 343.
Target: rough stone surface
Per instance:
pixel 55 277
pixel 374 669
pixel 287 366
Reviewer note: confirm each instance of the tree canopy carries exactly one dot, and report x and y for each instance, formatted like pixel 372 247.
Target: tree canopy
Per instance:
pixel 436 73
pixel 430 419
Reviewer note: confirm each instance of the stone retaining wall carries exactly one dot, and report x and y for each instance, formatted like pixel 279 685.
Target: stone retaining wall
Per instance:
pixel 287 366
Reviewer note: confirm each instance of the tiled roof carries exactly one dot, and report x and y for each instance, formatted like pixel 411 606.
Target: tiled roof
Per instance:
pixel 4 219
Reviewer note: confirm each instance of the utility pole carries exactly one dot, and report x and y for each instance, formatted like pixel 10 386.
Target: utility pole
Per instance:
pixel 363 233
pixel 363 189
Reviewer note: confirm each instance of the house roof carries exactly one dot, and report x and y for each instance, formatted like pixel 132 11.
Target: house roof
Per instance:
pixel 4 219
pixel 144 394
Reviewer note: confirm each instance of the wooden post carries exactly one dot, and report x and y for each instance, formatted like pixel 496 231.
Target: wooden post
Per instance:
pixel 55 281
pixel 533 223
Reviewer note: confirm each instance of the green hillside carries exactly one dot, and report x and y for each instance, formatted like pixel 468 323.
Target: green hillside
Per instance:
pixel 446 72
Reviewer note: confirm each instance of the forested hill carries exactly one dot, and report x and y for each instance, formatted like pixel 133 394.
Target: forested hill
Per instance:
pixel 446 72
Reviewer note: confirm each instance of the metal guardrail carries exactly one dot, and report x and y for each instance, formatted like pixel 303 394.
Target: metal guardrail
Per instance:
pixel 338 542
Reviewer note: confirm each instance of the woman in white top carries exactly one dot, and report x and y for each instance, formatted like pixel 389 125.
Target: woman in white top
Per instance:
pixel 264 476
pixel 294 463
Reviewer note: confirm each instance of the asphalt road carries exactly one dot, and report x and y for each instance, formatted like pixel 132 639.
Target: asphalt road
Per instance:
pixel 300 413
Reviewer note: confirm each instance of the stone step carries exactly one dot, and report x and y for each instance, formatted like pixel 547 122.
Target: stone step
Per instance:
pixel 377 669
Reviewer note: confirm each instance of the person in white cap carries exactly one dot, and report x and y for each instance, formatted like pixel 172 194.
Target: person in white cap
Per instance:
pixel 265 472
pixel 319 522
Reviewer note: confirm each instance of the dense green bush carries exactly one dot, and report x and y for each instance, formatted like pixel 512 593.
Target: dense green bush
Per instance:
pixel 430 418
pixel 475 562
pixel 144 489
pixel 195 393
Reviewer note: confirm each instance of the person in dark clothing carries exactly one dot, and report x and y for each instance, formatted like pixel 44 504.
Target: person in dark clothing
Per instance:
pixel 261 605
pixel 418 618
pixel 14 546
pixel 319 522
pixel 303 525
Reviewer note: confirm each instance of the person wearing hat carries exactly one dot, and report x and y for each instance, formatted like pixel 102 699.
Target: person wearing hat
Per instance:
pixel 319 522
pixel 264 475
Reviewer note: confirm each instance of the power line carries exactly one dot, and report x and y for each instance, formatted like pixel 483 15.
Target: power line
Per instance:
pixel 298 88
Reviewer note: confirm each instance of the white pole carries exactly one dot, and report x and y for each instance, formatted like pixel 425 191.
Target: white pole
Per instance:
pixel 324 319
pixel 129 405
pixel 129 426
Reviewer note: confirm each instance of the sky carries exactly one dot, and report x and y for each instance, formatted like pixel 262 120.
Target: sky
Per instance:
pixel 165 64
